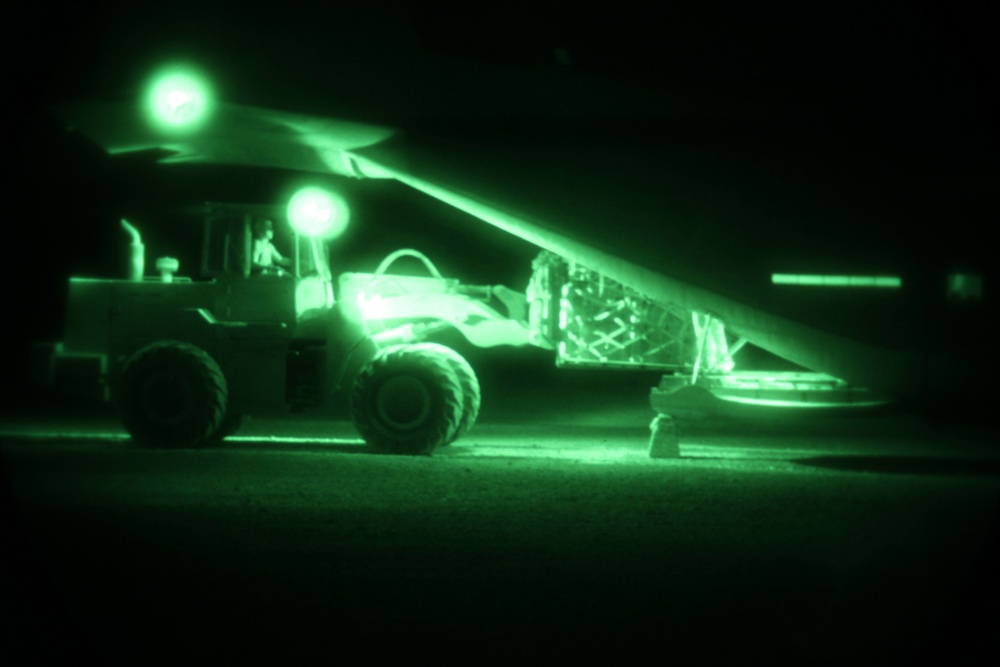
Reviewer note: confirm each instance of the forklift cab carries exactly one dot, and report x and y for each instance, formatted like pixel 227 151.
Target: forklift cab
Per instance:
pixel 304 286
pixel 228 243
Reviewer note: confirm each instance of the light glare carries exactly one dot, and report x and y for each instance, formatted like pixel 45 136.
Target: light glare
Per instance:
pixel 178 99
pixel 314 211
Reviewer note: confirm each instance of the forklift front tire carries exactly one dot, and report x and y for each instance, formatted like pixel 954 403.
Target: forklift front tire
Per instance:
pixel 471 393
pixel 408 400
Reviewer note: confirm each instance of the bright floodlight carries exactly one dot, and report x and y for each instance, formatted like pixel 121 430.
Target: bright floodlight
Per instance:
pixel 178 99
pixel 317 212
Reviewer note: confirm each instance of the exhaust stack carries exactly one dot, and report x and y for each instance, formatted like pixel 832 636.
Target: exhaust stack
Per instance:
pixel 137 259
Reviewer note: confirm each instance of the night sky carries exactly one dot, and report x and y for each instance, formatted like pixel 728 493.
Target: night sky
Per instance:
pixel 910 81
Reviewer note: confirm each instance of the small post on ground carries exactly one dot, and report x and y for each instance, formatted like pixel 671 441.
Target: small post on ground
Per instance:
pixel 664 439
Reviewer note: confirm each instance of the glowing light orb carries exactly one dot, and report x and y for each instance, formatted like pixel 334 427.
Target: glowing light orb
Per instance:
pixel 317 212
pixel 178 99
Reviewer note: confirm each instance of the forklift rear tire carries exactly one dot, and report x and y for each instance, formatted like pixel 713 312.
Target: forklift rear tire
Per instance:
pixel 231 423
pixel 408 400
pixel 172 394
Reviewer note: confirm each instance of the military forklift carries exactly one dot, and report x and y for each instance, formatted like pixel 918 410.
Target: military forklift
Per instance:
pixel 186 361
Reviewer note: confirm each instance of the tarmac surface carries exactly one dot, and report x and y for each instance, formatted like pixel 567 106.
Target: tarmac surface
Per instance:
pixel 547 533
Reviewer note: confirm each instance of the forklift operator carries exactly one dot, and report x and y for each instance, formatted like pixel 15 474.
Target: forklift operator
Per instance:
pixel 265 259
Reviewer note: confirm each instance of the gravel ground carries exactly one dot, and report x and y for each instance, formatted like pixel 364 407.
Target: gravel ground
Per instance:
pixel 552 535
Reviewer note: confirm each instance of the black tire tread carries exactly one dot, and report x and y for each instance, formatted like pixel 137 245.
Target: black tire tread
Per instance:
pixel 422 358
pixel 213 388
pixel 472 398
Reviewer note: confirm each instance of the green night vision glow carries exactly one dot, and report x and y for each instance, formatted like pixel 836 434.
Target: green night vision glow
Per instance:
pixel 965 287
pixel 894 282
pixel 317 212
pixel 178 99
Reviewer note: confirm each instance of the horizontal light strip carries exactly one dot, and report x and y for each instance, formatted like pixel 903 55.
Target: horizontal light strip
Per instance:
pixel 894 282
pixel 29 434
pixel 802 404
